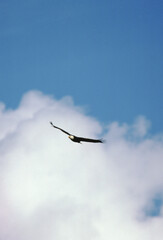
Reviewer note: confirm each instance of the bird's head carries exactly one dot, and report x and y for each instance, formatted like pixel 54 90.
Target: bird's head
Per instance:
pixel 71 137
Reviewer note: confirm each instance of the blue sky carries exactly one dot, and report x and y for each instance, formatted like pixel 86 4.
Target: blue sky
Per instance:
pixel 107 55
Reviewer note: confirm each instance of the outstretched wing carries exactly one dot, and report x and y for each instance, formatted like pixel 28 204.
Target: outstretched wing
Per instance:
pixel 81 139
pixel 60 129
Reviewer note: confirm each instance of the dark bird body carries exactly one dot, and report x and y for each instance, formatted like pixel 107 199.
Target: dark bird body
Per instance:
pixel 78 139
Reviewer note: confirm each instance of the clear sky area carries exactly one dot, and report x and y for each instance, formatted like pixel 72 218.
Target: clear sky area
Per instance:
pixel 107 55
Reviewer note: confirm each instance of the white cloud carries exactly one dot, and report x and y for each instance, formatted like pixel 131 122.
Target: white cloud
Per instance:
pixel 52 188
pixel 141 126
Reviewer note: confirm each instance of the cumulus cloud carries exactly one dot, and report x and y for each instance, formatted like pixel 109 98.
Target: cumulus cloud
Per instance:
pixel 52 188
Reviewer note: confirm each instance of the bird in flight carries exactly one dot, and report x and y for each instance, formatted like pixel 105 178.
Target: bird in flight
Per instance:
pixel 78 139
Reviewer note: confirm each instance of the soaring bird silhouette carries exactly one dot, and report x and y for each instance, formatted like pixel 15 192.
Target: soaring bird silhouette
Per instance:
pixel 78 139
